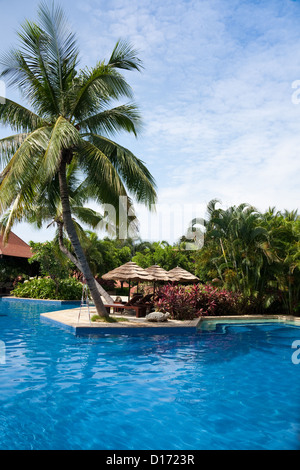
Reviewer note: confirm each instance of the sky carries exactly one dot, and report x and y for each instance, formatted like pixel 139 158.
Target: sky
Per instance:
pixel 219 95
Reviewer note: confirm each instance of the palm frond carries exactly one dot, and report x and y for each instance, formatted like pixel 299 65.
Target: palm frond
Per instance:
pixel 100 174
pixel 132 170
pixel 44 66
pixel 9 145
pixel 21 209
pixel 8 219
pixel 20 174
pixel 125 57
pixel 27 68
pixel 87 216
pixel 94 88
pixel 62 50
pixel 125 117
pixel 19 118
pixel 63 136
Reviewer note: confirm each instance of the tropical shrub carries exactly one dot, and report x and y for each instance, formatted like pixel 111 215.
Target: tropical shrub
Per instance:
pixel 188 302
pixel 213 301
pixel 69 289
pixel 52 262
pixel 179 301
pixel 46 288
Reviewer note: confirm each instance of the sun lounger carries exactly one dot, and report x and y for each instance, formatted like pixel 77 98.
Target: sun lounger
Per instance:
pixel 141 305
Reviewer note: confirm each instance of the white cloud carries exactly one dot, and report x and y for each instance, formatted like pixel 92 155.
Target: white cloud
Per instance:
pixel 216 94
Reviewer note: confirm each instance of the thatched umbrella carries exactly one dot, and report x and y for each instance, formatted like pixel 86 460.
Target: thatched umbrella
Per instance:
pixel 181 275
pixel 128 272
pixel 158 273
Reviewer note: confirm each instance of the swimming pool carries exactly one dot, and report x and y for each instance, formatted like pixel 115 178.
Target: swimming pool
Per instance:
pixel 235 387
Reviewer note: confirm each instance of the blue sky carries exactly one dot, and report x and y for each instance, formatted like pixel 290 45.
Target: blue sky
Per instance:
pixel 221 116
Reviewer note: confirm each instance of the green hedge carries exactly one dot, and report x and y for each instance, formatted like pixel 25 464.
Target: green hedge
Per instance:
pixel 46 288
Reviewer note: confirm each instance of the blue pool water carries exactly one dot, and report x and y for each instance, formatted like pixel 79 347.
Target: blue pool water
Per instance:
pixel 232 388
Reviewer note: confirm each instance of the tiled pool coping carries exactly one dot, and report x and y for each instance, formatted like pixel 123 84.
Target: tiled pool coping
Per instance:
pixel 210 323
pixel 53 302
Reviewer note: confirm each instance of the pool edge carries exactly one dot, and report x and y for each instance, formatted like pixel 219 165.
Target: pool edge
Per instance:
pixel 210 323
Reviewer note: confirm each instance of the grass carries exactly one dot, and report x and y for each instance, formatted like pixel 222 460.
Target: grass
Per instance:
pixel 96 318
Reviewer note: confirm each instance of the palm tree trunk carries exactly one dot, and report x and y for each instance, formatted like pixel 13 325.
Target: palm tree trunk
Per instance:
pixel 69 226
pixel 74 260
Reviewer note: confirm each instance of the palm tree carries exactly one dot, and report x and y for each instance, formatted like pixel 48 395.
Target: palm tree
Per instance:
pixel 241 245
pixel 45 208
pixel 284 232
pixel 70 119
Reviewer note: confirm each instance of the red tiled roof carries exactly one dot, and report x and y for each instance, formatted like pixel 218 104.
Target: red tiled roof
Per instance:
pixel 15 247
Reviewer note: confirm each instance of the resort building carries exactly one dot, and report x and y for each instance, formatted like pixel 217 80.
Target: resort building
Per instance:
pixel 14 256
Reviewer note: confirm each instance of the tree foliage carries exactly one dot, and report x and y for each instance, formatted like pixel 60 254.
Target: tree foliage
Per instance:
pixel 257 254
pixel 165 255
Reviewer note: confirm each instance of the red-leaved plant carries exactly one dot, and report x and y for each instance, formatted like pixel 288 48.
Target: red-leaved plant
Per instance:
pixel 188 302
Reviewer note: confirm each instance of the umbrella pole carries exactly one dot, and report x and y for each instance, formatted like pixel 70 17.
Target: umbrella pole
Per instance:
pixel 128 290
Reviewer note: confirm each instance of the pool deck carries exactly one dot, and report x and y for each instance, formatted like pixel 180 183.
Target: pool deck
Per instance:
pixel 81 324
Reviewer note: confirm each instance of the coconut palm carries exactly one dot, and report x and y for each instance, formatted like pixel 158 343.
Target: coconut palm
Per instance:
pixel 70 118
pixel 45 208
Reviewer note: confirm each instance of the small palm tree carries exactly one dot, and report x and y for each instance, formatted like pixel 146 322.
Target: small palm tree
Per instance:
pixel 70 119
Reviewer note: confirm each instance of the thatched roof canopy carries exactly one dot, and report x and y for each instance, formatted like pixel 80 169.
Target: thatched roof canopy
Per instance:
pixel 181 275
pixel 158 273
pixel 128 272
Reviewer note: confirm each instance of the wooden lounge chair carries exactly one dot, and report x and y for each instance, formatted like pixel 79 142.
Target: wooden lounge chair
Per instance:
pixel 129 303
pixel 144 300
pixel 141 305
pixel 138 303
pixel 134 299
pixel 140 310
